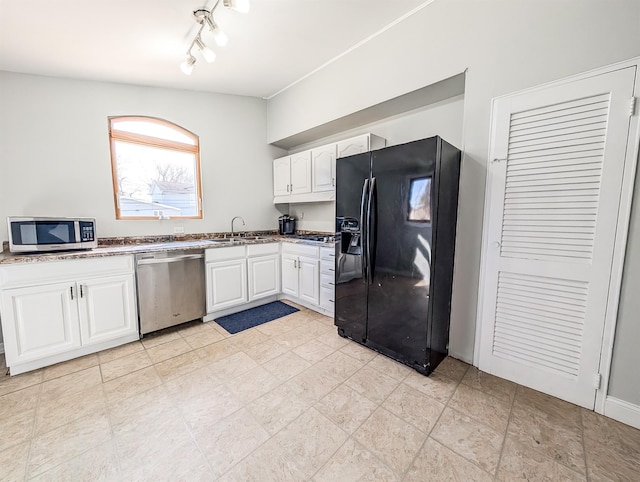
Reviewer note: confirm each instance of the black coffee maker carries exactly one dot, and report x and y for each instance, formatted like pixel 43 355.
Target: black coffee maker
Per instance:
pixel 286 224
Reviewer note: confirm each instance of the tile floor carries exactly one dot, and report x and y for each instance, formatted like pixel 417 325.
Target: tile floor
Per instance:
pixel 290 400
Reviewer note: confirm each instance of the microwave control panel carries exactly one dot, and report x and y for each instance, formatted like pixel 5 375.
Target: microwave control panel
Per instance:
pixel 87 232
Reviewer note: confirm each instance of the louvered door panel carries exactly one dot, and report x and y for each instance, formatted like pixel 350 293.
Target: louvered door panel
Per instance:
pixel 546 157
pixel 554 191
pixel 539 321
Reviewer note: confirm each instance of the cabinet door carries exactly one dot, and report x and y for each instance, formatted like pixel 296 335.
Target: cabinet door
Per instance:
pixel 301 173
pixel 226 284
pixel 356 145
pixel 264 276
pixel 107 308
pixel 281 176
pixel 323 165
pixel 309 280
pixel 290 275
pixel 39 321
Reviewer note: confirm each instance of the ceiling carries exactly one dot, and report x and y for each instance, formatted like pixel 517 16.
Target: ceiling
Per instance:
pixel 144 41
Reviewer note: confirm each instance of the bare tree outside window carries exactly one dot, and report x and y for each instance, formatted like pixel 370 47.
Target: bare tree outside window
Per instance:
pixel 156 169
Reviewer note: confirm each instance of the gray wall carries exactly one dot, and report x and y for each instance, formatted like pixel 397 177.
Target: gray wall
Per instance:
pixel 624 383
pixel 55 160
pixel 505 46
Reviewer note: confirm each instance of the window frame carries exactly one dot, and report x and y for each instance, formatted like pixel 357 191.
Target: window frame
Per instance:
pixel 150 141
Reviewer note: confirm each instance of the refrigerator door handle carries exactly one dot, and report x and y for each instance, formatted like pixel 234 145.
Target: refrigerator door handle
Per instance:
pixel 369 234
pixel 363 235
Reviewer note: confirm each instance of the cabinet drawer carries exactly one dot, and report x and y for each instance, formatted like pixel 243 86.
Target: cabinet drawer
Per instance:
pixel 327 280
pixel 219 254
pixel 262 249
pixel 328 254
pixel 327 298
pixel 69 269
pixel 327 267
pixel 300 249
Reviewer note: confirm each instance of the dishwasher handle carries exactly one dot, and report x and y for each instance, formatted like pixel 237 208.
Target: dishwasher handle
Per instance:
pixel 173 259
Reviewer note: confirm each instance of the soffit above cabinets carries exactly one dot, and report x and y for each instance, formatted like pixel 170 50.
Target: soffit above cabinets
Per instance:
pixel 144 42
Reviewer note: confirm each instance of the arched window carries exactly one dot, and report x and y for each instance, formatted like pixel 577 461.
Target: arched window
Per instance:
pixel 156 169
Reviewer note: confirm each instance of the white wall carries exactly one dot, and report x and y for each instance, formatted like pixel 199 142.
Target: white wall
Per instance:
pixel 443 119
pixel 55 161
pixel 506 45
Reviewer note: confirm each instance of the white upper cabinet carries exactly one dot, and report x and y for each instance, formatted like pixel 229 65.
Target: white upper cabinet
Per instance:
pixel 301 173
pixel 360 144
pixel 323 165
pixel 310 176
pixel 281 176
pixel 292 174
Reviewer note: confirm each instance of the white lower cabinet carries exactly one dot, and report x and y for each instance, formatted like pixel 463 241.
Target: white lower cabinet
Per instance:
pixel 226 284
pixel 240 274
pixel 107 308
pixel 290 275
pixel 55 311
pixel 39 321
pixel 264 275
pixel 308 281
pixel 300 272
pixel 243 275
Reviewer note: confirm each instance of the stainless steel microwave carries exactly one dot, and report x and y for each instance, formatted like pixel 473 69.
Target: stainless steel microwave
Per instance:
pixel 51 234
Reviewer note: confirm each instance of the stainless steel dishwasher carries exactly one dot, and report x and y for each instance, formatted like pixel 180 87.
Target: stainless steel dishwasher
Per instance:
pixel 171 288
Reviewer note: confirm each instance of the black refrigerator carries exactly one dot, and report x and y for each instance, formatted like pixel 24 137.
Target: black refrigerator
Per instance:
pixel 396 211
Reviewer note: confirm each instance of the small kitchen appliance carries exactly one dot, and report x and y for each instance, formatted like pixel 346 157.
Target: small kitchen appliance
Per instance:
pixel 286 224
pixel 44 234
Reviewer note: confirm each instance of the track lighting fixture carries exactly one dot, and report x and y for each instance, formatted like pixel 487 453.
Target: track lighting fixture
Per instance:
pixel 205 17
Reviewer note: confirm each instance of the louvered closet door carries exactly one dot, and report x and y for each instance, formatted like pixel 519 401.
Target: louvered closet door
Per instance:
pixel 557 157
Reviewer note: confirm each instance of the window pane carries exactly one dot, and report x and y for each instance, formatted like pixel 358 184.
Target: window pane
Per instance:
pixel 155 182
pixel 152 129
pixel 420 199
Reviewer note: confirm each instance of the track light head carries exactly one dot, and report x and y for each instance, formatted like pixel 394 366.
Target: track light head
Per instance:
pixel 188 65
pixel 208 54
pixel 219 36
pixel 241 6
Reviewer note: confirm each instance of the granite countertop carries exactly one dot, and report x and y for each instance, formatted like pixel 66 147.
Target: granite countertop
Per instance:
pixel 121 246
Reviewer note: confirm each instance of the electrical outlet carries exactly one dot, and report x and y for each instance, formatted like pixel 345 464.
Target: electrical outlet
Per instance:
pixel 178 230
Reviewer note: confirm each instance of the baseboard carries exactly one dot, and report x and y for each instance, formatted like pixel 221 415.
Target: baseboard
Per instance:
pixel 622 411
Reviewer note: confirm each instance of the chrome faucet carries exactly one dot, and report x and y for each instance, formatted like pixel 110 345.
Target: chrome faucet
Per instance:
pixel 237 217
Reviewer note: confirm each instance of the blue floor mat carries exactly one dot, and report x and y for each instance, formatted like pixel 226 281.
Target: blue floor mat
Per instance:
pixel 254 316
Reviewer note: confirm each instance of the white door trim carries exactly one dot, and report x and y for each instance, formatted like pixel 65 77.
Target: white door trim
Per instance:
pixel 619 251
pixel 622 229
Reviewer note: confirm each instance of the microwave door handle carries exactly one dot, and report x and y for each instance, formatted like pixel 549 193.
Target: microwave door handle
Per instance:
pixel 76 230
pixel 363 237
